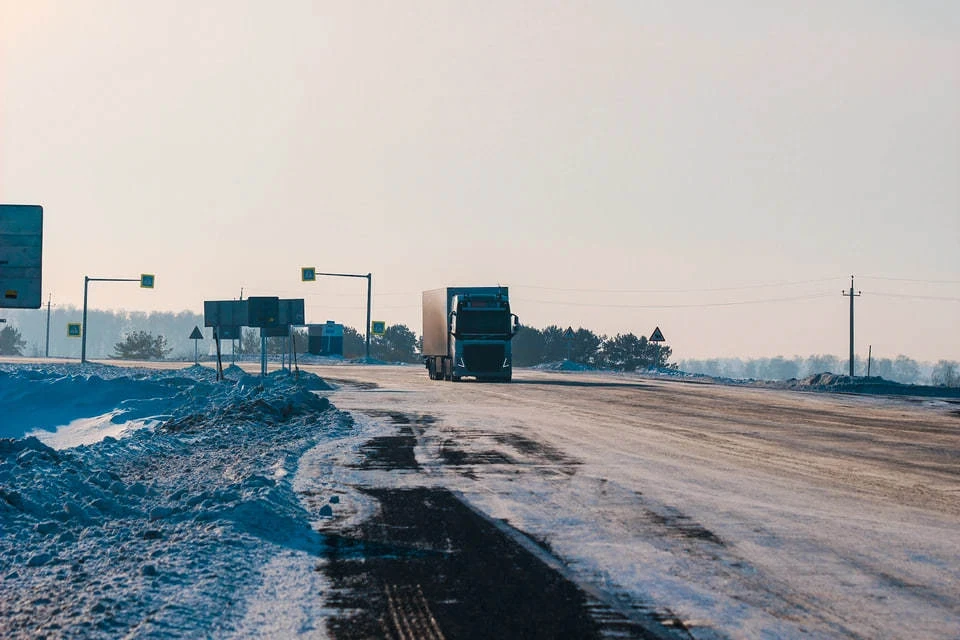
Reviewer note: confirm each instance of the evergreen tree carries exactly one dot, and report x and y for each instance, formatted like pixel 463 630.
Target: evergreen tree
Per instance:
pixel 585 346
pixel 140 345
pixel 11 342
pixel 624 352
pixel 354 343
pixel 529 347
pixel 397 344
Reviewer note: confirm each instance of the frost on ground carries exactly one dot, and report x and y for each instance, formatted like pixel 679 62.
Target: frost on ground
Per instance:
pixel 172 531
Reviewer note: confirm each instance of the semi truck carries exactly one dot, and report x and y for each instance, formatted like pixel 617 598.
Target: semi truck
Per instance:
pixel 467 333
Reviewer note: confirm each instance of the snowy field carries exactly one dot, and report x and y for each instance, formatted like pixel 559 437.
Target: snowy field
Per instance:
pixel 371 502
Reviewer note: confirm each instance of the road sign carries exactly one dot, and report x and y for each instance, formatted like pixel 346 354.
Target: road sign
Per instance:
pixel 264 311
pixel 569 334
pixel 73 329
pixel 378 327
pixel 21 255
pixel 290 311
pixel 308 274
pixel 196 334
pixel 228 332
pixel 657 336
pixel 280 331
pixel 225 313
pixel 146 281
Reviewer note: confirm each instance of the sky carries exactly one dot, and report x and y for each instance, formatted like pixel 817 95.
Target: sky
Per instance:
pixel 718 170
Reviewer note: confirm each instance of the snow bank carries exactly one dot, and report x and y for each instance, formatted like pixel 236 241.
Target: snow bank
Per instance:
pixel 875 385
pixel 163 533
pixel 54 396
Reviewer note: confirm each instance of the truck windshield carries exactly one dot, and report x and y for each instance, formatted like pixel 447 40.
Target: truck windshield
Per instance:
pixel 475 321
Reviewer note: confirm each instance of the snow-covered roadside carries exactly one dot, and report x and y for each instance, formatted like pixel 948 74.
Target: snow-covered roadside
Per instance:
pixel 174 530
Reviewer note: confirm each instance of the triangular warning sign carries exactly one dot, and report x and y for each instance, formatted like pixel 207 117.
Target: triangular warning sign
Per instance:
pixel 657 336
pixel 569 334
pixel 197 334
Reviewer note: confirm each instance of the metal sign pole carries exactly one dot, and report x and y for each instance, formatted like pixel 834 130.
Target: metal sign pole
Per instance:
pixel 146 281
pixel 83 328
pixel 369 286
pixel 369 278
pixel 263 354
pixel 47 349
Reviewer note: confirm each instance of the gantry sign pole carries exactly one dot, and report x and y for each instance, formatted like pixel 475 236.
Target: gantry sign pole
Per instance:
pixel 369 278
pixel 145 280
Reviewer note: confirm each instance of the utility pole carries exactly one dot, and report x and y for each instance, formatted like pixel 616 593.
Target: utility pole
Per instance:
pixel 851 295
pixel 47 350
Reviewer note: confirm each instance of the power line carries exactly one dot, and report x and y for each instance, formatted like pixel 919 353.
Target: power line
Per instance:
pixel 677 306
pixel 913 297
pixel 700 290
pixel 912 280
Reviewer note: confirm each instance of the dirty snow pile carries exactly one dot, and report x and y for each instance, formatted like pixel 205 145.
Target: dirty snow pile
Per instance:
pixel 161 533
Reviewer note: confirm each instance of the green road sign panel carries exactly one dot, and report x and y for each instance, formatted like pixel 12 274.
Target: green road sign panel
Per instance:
pixel 21 253
pixel 73 329
pixel 146 280
pixel 308 274
pixel 378 327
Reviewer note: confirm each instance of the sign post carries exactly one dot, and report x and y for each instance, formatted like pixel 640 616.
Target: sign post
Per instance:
pixel 656 338
pixel 569 335
pixel 196 336
pixel 145 280
pixel 313 273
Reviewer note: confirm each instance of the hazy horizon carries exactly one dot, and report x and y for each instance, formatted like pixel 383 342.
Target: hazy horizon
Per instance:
pixel 717 170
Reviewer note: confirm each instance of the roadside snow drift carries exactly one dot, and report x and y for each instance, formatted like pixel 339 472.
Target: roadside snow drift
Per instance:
pixel 165 532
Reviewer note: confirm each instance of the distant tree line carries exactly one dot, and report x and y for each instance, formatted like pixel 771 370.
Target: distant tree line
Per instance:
pixel 622 352
pixel 899 369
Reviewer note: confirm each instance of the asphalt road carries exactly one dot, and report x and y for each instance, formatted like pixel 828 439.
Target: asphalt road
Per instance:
pixel 718 510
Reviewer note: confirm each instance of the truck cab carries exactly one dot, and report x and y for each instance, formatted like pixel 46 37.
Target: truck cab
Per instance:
pixel 478 328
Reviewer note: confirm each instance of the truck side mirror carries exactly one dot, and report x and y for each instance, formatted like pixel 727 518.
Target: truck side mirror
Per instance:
pixel 516 323
pixel 453 322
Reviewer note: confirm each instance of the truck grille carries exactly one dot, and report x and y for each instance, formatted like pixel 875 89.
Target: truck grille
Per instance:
pixel 483 357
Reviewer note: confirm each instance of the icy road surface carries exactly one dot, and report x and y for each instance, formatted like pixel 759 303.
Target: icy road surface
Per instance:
pixel 745 513
pixel 162 504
